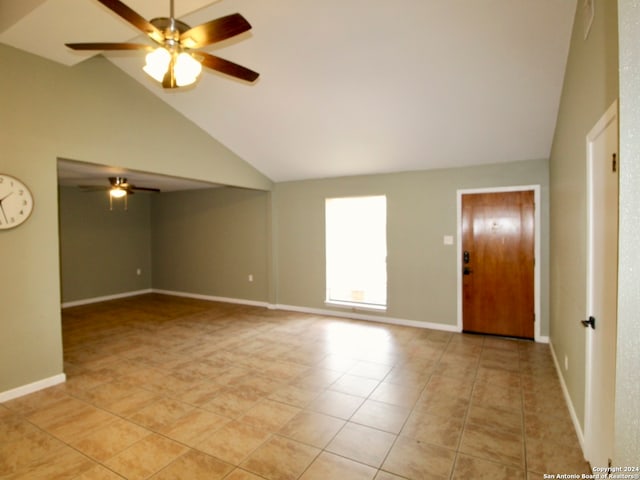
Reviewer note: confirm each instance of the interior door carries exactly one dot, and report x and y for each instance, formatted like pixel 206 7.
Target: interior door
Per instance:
pixel 498 242
pixel 602 287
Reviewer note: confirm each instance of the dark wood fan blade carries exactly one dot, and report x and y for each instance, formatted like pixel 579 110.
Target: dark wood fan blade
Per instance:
pixel 215 31
pixel 144 189
pixel 108 46
pixel 227 67
pixel 134 19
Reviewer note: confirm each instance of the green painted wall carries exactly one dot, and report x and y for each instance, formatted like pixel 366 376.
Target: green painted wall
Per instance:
pixel 92 112
pixel 101 249
pixel 422 208
pixel 208 242
pixel 590 87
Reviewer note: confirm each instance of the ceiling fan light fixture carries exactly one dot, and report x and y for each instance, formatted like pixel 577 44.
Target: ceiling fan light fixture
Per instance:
pixel 186 69
pixel 158 63
pixel 117 192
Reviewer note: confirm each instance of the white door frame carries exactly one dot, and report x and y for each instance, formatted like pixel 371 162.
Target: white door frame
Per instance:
pixel 610 115
pixel 538 262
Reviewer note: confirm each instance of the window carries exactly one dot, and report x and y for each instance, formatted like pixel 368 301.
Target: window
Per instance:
pixel 356 251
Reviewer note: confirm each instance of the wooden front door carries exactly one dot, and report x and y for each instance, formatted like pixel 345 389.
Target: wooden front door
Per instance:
pixel 498 263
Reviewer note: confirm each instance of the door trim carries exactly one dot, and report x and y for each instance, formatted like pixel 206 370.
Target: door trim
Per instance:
pixel 538 260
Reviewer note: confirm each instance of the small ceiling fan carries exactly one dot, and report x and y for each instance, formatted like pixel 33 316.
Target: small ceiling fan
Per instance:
pixel 177 62
pixel 119 188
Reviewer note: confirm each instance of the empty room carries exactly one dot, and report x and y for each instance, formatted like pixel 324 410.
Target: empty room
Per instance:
pixel 402 249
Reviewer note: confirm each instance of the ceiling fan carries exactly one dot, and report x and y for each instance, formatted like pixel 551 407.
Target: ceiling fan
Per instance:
pixel 177 62
pixel 119 188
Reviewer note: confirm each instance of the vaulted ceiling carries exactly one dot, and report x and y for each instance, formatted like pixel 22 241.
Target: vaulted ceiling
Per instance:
pixel 348 87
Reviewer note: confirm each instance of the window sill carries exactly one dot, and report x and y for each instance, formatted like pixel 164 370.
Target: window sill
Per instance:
pixel 356 306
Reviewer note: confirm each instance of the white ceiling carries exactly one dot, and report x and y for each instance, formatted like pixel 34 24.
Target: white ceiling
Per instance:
pixel 349 87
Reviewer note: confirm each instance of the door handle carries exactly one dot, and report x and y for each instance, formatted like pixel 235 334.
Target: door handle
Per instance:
pixel 467 271
pixel 589 323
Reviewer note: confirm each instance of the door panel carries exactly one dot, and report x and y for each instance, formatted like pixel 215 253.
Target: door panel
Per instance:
pixel 602 287
pixel 498 241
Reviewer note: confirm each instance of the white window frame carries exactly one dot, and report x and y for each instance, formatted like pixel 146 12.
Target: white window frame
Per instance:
pixel 369 264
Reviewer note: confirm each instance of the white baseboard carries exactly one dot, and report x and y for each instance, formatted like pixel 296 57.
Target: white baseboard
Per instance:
pixel 211 298
pixel 314 311
pixel 291 308
pixel 106 298
pixel 567 398
pixel 370 318
pixel 32 387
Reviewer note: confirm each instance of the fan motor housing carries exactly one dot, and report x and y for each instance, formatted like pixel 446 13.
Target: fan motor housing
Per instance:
pixel 163 24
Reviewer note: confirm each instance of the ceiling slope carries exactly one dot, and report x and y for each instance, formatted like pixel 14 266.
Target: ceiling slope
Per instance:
pixel 351 87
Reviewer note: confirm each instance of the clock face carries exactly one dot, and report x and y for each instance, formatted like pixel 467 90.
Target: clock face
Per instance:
pixel 16 202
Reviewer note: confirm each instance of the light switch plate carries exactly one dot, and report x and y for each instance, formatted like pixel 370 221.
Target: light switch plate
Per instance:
pixel 448 240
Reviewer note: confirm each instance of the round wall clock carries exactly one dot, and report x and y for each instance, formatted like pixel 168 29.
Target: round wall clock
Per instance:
pixel 16 202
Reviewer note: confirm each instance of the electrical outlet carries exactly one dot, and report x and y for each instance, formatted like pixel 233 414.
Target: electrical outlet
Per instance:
pixel 566 363
pixel 139 271
pixel 250 277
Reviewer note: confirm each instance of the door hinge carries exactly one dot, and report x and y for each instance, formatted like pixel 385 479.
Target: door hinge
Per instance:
pixel 614 163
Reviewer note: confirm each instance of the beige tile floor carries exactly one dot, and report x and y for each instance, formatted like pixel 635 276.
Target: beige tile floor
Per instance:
pixel 170 388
